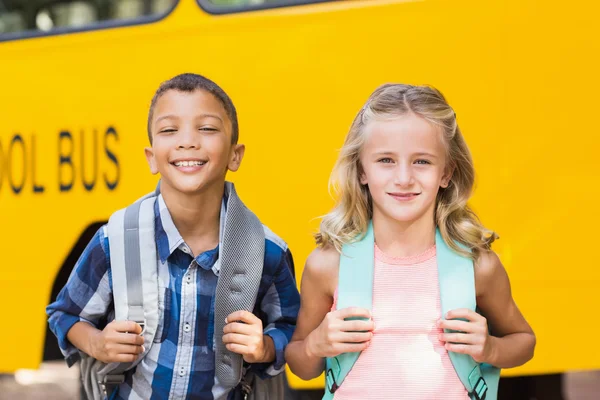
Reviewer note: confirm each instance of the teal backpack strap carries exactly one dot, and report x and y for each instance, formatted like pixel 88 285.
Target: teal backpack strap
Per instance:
pixel 355 289
pixel 457 290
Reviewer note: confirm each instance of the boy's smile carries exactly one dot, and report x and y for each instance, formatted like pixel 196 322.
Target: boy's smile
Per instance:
pixel 191 142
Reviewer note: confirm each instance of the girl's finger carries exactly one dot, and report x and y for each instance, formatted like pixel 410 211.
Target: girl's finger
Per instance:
pixel 457 325
pixel 353 312
pixel 464 313
pixel 357 326
pixel 351 348
pixel 459 348
pixel 355 337
pixel 458 338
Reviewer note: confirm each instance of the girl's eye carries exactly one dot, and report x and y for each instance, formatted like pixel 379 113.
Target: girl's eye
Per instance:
pixel 386 160
pixel 422 162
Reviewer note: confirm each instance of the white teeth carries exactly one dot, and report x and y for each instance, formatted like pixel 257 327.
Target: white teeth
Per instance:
pixel 189 163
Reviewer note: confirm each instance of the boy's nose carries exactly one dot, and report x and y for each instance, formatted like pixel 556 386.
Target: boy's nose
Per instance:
pixel 188 139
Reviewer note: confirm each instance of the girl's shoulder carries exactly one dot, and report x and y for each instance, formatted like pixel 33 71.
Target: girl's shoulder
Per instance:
pixel 488 269
pixel 321 268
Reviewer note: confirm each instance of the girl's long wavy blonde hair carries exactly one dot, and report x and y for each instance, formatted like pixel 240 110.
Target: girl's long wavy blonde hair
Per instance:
pixel 458 224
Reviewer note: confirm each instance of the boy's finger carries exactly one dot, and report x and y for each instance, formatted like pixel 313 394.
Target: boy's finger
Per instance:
pixel 127 326
pixel 349 312
pixel 129 349
pixel 243 316
pixel 237 348
pixel 130 338
pixel 236 327
pixel 235 338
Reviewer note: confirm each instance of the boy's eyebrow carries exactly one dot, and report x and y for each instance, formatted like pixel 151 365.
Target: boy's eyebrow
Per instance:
pixel 205 115
pixel 209 115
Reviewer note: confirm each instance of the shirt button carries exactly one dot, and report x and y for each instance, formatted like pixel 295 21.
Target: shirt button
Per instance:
pixel 187 327
pixel 182 372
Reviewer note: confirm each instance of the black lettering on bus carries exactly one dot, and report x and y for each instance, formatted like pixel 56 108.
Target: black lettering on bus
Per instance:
pixel 36 187
pixel 65 159
pixel 111 185
pixel 89 185
pixel 16 139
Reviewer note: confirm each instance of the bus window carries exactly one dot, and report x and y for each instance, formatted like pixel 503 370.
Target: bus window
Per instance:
pixel 229 6
pixel 40 16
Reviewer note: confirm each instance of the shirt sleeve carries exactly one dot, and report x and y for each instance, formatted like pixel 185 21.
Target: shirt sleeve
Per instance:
pixel 86 297
pixel 280 304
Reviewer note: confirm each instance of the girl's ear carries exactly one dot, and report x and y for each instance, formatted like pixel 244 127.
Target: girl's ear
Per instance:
pixel 362 177
pixel 447 177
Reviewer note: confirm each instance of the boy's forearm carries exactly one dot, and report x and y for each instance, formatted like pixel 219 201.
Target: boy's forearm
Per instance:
pixel 81 335
pixel 512 350
pixel 301 362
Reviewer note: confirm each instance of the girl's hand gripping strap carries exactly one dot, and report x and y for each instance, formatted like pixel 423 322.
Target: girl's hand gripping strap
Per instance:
pixel 355 289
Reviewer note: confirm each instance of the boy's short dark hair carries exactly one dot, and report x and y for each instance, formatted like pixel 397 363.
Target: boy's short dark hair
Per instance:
pixel 189 83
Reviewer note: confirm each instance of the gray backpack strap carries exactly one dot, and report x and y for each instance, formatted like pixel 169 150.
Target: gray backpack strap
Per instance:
pixel 242 252
pixel 134 267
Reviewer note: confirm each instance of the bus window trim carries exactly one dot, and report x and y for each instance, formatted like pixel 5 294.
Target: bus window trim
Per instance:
pixel 211 8
pixel 97 26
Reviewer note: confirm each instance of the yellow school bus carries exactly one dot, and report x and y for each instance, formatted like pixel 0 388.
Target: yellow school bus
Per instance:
pixel 76 80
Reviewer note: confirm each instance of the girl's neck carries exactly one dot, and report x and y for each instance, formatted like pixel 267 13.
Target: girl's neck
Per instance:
pixel 403 239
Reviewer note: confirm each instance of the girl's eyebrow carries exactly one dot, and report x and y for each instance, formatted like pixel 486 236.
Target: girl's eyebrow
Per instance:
pixel 423 153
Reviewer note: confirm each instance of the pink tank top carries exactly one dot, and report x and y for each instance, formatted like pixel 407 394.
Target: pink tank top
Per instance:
pixel 405 359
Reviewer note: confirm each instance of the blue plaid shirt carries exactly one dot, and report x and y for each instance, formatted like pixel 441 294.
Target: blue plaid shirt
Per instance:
pixel 178 365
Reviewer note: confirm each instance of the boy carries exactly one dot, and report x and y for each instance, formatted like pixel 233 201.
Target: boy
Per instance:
pixel 193 132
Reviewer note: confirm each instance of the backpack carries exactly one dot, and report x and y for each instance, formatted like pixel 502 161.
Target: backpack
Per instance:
pixel 134 265
pixel 457 290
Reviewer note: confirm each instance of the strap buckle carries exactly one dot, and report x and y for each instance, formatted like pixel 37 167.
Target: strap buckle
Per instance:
pixel 109 382
pixel 480 389
pixel 334 386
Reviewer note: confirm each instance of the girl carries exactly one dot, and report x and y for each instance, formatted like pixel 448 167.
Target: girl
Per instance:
pixel 406 167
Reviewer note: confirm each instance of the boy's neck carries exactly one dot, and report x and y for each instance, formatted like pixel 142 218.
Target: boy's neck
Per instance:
pixel 403 239
pixel 196 217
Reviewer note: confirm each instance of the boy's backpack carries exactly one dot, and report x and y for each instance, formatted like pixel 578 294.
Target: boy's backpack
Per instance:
pixel 457 290
pixel 134 266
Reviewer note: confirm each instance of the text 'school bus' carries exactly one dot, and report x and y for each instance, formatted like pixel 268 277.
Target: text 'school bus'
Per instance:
pixel 76 80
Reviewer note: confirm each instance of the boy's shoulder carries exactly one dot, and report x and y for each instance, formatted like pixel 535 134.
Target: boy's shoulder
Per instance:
pixel 272 237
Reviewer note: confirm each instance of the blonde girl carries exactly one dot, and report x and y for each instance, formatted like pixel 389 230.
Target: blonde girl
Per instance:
pixel 405 166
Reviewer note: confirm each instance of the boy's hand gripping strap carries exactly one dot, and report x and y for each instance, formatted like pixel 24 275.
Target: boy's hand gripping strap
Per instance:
pixel 242 252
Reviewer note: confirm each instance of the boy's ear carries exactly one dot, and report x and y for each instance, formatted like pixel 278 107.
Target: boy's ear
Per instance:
pixel 151 160
pixel 237 153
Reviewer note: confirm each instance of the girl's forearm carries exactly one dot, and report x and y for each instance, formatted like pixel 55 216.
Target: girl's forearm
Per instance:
pixel 512 350
pixel 302 363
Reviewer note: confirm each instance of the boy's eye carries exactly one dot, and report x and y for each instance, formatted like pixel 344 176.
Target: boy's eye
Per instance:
pixel 208 128
pixel 385 160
